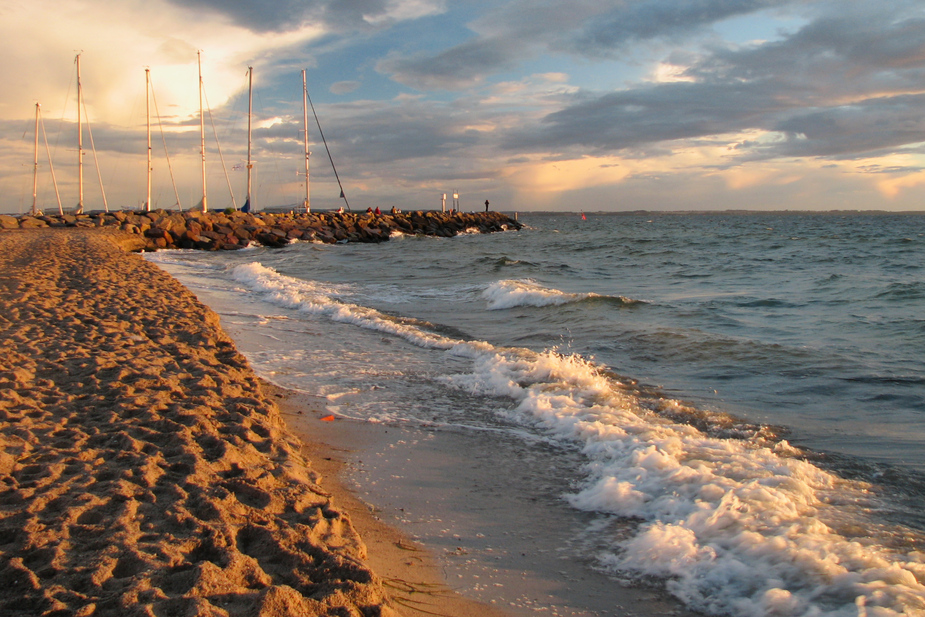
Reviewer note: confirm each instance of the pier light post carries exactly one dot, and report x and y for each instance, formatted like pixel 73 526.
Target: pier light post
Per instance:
pixel 443 203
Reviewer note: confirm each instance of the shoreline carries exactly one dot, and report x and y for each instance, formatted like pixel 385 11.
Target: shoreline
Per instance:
pixel 146 469
pixel 462 497
pixel 143 470
pixel 411 573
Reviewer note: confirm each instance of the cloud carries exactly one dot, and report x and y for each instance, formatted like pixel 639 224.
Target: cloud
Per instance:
pixel 117 40
pixel 853 131
pixel 524 29
pixel 454 69
pixel 344 87
pixel 627 23
pixel 649 114
pixel 818 88
pixel 289 15
pixel 279 15
pixel 577 98
pixel 372 133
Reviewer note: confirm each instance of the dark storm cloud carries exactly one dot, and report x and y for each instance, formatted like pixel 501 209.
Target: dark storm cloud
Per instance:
pixel 837 87
pixel 285 15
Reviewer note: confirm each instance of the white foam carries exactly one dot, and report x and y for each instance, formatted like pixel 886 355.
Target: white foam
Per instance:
pixel 736 528
pixel 311 297
pixel 509 294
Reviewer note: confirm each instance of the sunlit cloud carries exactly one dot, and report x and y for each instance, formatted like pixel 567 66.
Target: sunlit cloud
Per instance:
pixel 651 103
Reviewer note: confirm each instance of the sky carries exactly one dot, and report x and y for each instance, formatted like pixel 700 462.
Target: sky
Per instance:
pixel 555 105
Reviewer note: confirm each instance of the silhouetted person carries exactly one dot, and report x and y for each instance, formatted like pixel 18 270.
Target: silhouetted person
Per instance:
pixel 486 205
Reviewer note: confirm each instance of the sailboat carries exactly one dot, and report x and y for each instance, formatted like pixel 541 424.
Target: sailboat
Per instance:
pixel 307 102
pixel 149 97
pixel 81 113
pixel 204 202
pixel 80 142
pixel 35 168
pixel 250 114
pixel 307 204
pixel 203 205
pixel 148 124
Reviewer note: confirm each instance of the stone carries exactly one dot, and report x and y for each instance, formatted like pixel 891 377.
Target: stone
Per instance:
pixel 28 222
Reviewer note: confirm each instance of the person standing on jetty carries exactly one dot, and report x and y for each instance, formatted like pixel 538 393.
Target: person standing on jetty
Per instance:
pixel 486 205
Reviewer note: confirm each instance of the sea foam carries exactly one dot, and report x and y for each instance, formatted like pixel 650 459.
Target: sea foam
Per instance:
pixel 733 527
pixel 510 294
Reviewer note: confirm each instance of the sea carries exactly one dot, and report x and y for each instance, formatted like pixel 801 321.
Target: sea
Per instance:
pixel 730 405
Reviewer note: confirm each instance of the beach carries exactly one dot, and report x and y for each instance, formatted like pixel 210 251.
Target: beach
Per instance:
pixel 587 407
pixel 146 470
pixel 460 426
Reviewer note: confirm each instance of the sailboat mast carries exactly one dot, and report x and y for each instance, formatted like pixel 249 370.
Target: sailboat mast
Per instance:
pixel 308 203
pixel 80 145
pixel 250 116
pixel 202 135
pixel 35 168
pixel 148 117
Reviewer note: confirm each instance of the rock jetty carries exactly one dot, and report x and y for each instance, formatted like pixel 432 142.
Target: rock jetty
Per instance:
pixel 217 230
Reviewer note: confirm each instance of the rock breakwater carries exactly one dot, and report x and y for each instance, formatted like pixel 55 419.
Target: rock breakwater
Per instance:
pixel 216 230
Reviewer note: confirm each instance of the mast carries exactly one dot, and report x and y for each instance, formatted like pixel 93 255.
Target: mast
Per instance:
pixel 308 203
pixel 148 116
pixel 202 135
pixel 80 142
pixel 250 116
pixel 35 168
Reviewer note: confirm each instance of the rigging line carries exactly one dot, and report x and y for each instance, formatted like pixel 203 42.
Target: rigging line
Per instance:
pixel 219 146
pixel 96 160
pixel 51 166
pixel 328 150
pixel 160 126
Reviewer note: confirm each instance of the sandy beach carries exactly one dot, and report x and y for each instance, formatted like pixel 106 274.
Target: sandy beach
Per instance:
pixel 146 470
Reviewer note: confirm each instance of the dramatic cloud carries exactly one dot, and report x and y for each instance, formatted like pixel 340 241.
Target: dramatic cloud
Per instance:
pixel 542 103
pixel 837 87
pixel 523 29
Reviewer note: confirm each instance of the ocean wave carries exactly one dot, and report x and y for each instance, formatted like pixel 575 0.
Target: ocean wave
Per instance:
pixel 509 294
pixel 914 290
pixel 318 298
pixel 733 526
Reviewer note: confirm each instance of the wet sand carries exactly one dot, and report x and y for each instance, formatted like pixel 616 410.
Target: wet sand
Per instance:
pixel 145 470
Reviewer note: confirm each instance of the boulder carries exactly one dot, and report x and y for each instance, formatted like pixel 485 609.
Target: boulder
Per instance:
pixel 29 222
